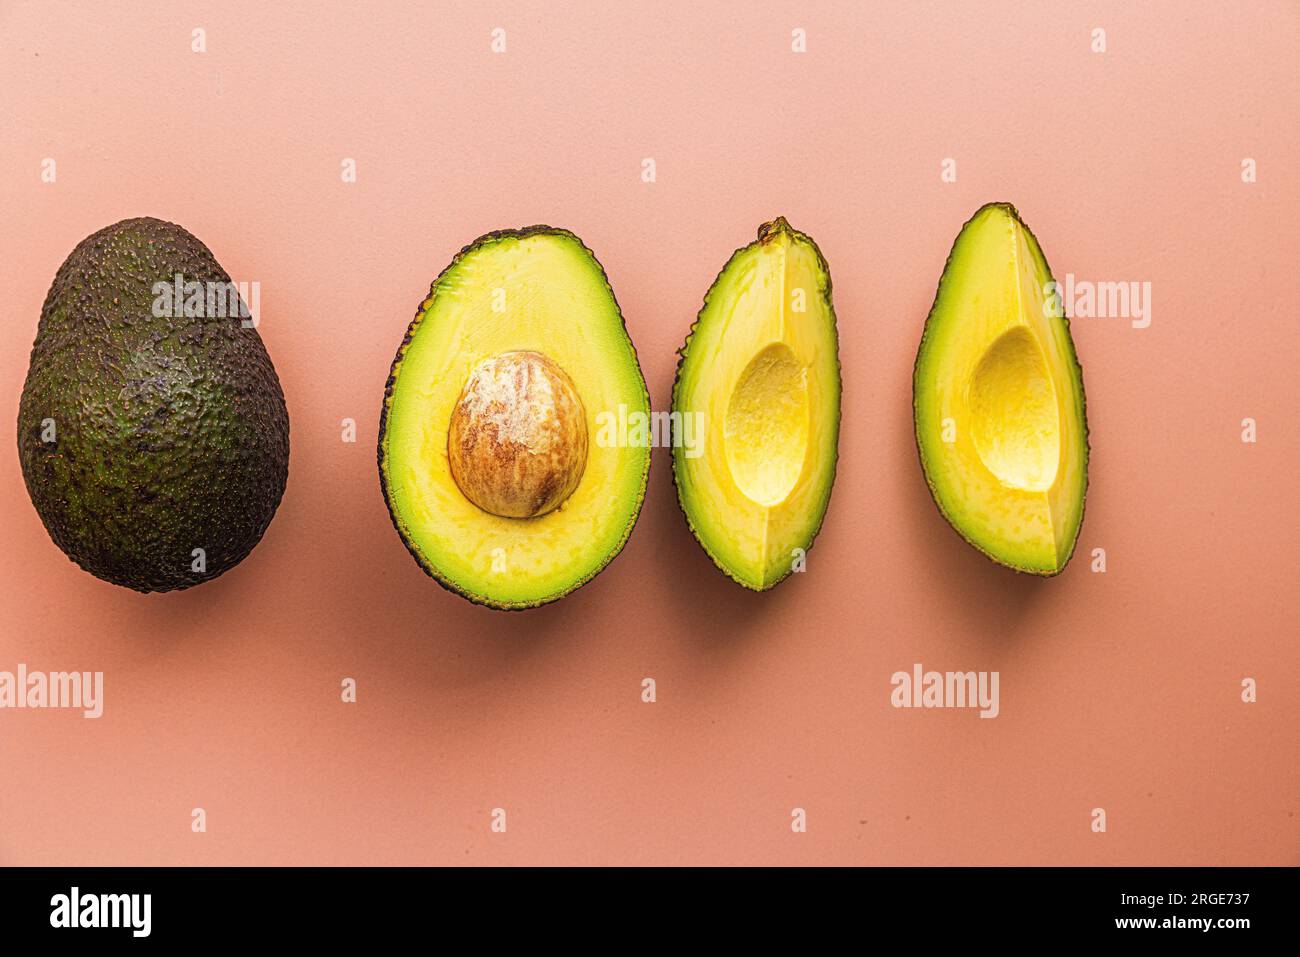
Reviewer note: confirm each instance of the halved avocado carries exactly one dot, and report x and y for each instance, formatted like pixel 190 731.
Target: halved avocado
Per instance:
pixel 760 374
pixel 488 450
pixel 998 399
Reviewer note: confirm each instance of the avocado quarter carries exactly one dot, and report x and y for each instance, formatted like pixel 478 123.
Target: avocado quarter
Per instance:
pixel 998 399
pixel 152 429
pixel 759 379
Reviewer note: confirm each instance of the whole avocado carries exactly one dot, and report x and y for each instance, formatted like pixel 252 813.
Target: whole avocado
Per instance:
pixel 152 430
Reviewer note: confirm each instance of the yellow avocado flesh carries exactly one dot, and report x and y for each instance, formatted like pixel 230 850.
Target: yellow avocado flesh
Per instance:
pixel 537 290
pixel 998 399
pixel 760 372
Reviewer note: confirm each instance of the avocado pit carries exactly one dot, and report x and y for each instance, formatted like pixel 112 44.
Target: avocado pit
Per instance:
pixel 517 442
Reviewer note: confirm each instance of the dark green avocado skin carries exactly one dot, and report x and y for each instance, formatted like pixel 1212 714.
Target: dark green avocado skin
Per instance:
pixel 171 432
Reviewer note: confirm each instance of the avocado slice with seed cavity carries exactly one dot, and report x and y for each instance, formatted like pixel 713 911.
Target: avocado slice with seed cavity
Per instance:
pixel 760 372
pixel 998 399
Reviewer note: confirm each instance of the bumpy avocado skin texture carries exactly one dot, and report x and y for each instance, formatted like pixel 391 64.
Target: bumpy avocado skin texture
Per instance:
pixel 427 566
pixel 171 433
pixel 1080 397
pixel 765 234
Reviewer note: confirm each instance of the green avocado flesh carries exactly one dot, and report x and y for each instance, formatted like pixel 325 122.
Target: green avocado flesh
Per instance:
pixel 534 292
pixel 998 399
pixel 758 385
pixel 152 431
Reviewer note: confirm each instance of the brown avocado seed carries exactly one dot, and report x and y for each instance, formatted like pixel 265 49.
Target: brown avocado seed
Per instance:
pixel 517 444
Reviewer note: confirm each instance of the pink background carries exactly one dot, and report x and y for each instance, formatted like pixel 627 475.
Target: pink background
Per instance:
pixel 1119 690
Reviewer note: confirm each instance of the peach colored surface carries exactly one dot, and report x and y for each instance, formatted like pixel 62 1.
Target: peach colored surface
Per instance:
pixel 1118 690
